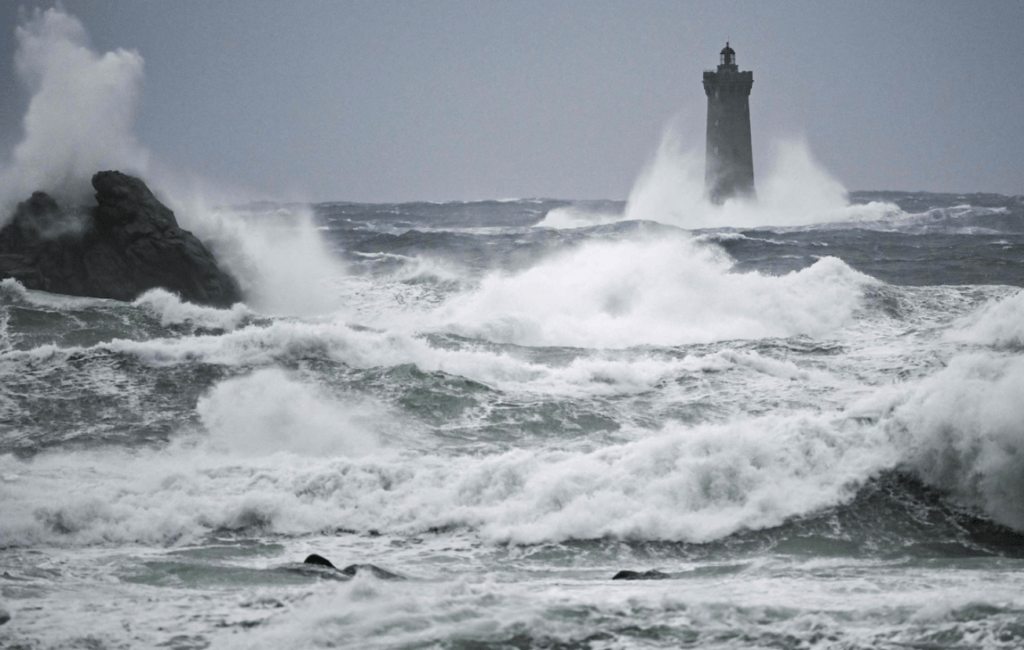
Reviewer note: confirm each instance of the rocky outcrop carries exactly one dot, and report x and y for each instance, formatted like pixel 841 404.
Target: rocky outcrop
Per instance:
pixel 126 245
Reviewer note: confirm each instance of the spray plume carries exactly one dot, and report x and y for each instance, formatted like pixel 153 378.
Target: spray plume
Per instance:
pixel 80 115
pixel 795 192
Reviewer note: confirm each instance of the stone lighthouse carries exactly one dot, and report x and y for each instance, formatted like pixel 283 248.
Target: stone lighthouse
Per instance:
pixel 729 162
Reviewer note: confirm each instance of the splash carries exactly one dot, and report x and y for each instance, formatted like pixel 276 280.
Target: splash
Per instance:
pixel 267 412
pixel 80 116
pixel 279 259
pixel 797 191
pixel 278 256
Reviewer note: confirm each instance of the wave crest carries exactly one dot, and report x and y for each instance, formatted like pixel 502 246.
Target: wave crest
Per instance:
pixel 667 292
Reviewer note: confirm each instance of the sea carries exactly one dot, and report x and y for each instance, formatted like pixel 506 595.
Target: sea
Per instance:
pixel 806 436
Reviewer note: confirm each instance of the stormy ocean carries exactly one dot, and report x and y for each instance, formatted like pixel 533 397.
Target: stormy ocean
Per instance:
pixel 804 436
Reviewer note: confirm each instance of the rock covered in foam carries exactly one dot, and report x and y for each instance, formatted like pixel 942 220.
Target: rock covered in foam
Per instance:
pixel 128 244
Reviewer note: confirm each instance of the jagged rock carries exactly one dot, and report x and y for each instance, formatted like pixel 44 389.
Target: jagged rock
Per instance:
pixel 128 244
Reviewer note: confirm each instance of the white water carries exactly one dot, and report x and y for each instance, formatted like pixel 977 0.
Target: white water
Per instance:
pixel 669 291
pixel 289 456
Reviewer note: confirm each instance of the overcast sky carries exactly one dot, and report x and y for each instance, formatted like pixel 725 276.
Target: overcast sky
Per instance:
pixel 442 100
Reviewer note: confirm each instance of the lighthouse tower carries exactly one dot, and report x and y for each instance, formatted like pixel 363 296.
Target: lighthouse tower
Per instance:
pixel 729 161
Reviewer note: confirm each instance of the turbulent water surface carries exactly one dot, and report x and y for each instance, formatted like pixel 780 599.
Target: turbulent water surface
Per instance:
pixel 815 433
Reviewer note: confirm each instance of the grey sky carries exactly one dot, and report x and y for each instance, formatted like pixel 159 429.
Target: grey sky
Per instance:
pixel 395 101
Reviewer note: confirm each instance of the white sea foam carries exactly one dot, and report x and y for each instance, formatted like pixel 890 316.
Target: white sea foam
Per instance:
pixel 665 292
pixel 80 116
pixel 752 609
pixel 963 431
pixel 678 483
pixel 281 455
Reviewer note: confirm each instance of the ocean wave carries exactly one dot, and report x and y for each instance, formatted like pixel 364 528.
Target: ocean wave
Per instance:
pixel 666 292
pixel 692 484
pixel 574 217
pixel 279 455
pixel 171 310
pixel 1000 323
pixel 14 292
pixel 962 431
pixel 291 341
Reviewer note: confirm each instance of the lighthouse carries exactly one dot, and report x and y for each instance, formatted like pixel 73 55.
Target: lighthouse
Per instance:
pixel 729 161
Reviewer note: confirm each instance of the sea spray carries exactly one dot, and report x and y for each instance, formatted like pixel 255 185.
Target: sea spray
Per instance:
pixel 80 116
pixel 165 468
pixel 267 411
pixel 278 255
pixel 796 191
pixel 80 120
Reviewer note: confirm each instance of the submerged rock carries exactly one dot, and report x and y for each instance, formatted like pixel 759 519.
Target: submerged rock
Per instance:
pixel 379 573
pixel 128 244
pixel 653 574
pixel 352 569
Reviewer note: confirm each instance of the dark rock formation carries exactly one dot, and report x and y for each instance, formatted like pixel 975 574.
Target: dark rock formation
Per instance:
pixel 318 560
pixel 653 574
pixel 352 569
pixel 128 244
